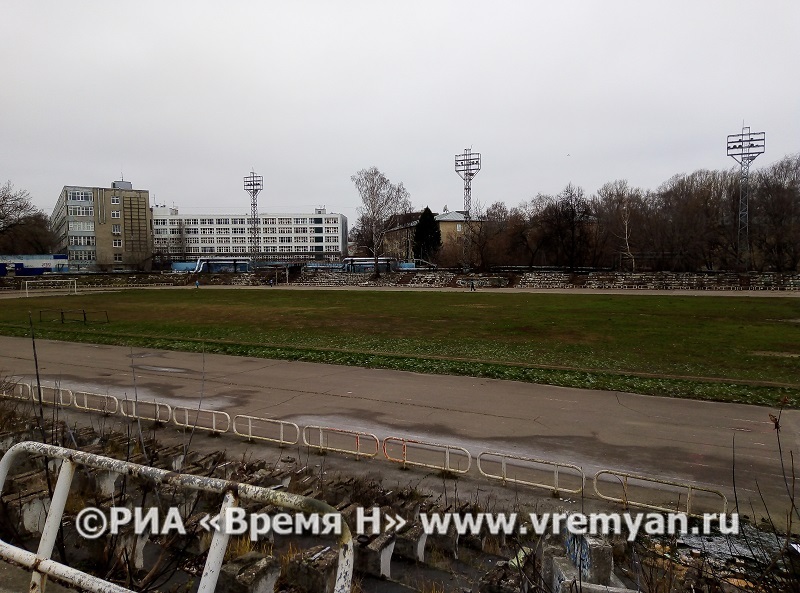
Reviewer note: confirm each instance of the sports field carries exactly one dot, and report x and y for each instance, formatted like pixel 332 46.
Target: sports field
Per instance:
pixel 724 348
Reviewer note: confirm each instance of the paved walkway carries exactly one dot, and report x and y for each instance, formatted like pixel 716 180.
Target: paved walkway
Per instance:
pixel 661 437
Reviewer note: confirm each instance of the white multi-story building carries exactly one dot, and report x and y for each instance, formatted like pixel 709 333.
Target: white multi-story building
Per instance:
pixel 317 235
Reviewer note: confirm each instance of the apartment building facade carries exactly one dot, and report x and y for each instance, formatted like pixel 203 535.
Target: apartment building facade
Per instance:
pixel 297 236
pixel 104 228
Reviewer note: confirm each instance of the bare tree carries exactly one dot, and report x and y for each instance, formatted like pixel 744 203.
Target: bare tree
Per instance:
pixel 15 207
pixel 620 208
pixel 775 215
pixel 383 202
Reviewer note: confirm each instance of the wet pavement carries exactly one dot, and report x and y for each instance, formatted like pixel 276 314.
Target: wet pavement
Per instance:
pixel 666 438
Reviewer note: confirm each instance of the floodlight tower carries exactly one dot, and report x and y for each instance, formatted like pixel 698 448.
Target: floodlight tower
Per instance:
pixel 253 184
pixel 744 148
pixel 467 166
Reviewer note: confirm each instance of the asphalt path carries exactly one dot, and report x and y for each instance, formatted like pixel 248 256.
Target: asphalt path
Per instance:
pixel 690 441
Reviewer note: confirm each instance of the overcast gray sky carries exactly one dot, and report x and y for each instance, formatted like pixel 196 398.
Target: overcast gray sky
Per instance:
pixel 184 98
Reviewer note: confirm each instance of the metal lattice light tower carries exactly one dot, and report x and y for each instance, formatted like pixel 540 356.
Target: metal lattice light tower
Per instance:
pixel 744 148
pixel 252 185
pixel 467 166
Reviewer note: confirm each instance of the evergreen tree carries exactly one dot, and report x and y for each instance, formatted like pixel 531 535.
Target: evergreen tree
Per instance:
pixel 427 236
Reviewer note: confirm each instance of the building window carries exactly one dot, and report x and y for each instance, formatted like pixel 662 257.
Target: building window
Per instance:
pixel 115 199
pixel 206 221
pixel 117 242
pixel 270 230
pixel 80 211
pixel 300 221
pixel 284 221
pixel 159 222
pixel 80 196
pixel 117 257
pixel 458 227
pixel 80 225
pixel 224 231
pixel 284 239
pixel 223 221
pixel 115 214
pixel 300 230
pixel 116 229
pixel 83 255
pixel 237 220
pixel 269 221
pixel 238 230
pixel 207 250
pixel 73 240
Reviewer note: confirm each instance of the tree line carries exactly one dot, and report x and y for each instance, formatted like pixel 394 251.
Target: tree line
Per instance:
pixel 689 223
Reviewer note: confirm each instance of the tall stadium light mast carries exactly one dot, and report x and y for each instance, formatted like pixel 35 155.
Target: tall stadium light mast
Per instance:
pixel 467 166
pixel 253 184
pixel 744 148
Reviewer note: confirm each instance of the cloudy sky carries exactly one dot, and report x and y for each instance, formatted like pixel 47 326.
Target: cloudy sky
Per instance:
pixel 185 98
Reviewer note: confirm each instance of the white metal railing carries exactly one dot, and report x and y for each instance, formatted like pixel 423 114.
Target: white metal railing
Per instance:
pixel 275 431
pixel 210 420
pixel 21 391
pixel 625 500
pixel 280 426
pixel 41 564
pixel 555 487
pixel 324 434
pixel 437 448
pixel 108 403
pixel 52 396
pixel 132 408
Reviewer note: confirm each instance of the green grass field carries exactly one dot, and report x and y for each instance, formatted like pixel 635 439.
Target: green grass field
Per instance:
pixel 724 348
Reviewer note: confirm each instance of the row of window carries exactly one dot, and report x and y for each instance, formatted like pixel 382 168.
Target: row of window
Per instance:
pixel 80 210
pixel 90 256
pixel 86 196
pixel 236 240
pixel 89 211
pixel 246 231
pixel 90 241
pixel 81 225
pixel 76 240
pixel 267 249
pixel 83 255
pixel 79 195
pixel 246 221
